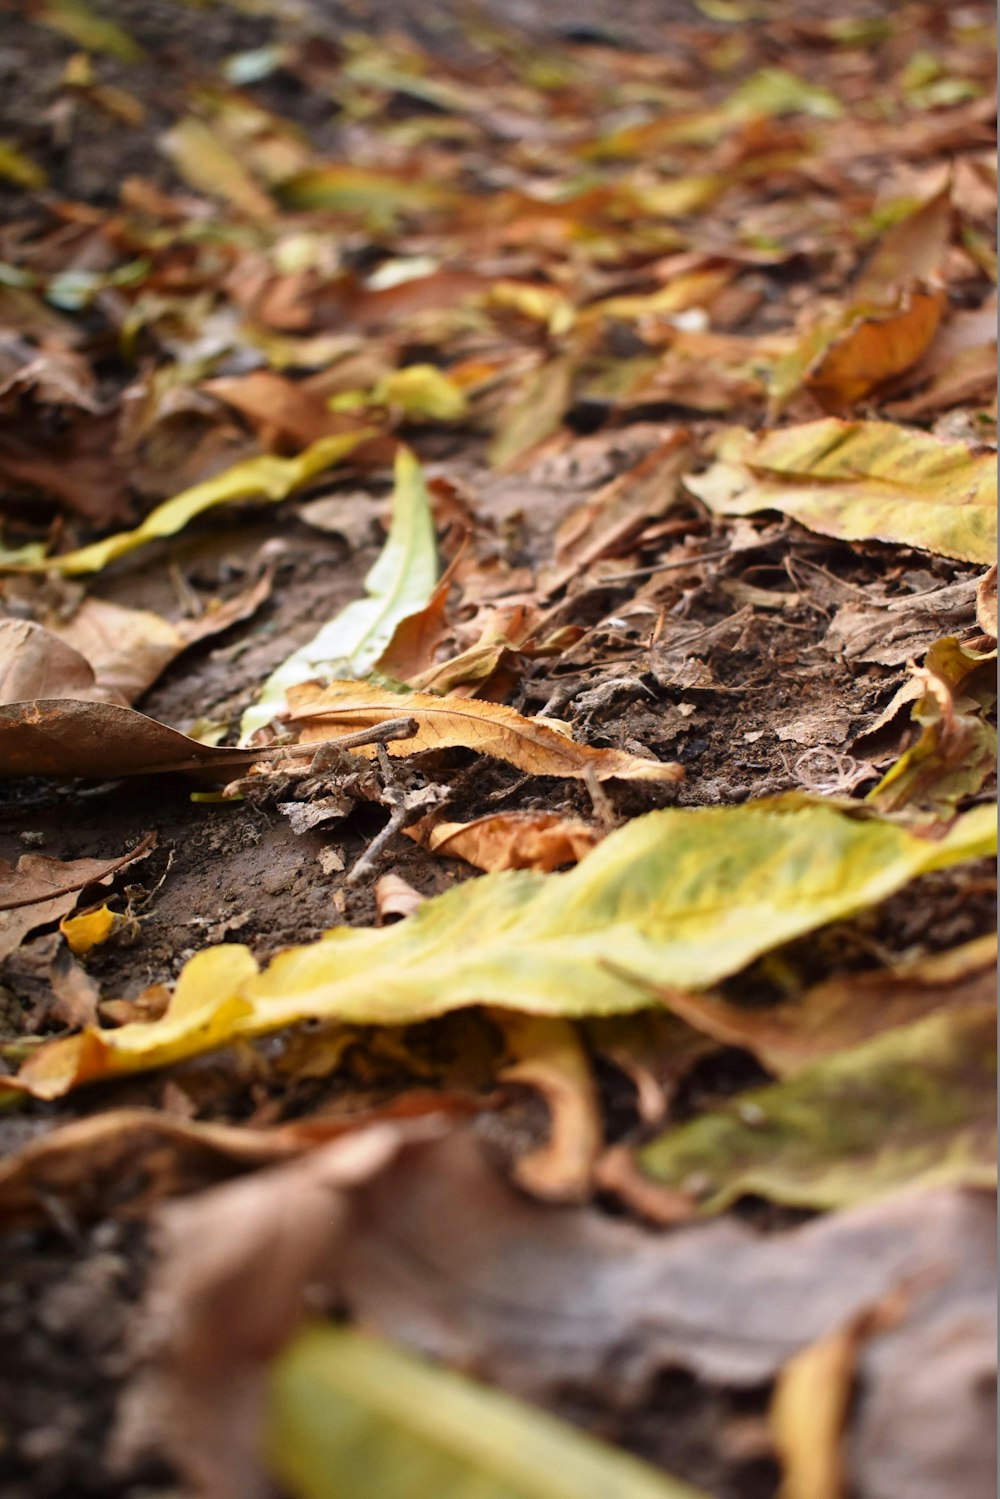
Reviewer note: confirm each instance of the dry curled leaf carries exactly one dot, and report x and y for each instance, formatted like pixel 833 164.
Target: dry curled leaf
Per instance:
pixel 509 840
pixel 451 723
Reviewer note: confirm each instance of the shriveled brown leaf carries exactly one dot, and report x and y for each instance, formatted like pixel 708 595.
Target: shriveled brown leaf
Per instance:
pixel 509 840
pixel 986 602
pixel 875 348
pixel 395 897
pixel 443 723
pixel 281 411
pixel 72 737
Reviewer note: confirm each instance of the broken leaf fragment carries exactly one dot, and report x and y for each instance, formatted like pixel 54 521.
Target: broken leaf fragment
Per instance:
pixel 912 1107
pixel 860 481
pixel 682 897
pixel 349 1414
pixel 88 930
pixel 400 583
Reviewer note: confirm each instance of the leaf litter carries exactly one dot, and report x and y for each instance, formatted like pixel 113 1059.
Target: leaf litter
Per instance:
pixel 669 646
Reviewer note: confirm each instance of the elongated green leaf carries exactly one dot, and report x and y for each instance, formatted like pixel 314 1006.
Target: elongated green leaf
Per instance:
pixel 348 1416
pixel 263 478
pixel 681 897
pixel 861 481
pixel 914 1106
pixel 399 584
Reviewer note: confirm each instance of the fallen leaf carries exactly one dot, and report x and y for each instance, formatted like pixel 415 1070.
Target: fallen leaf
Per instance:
pixel 549 1056
pixel 280 411
pixel 264 478
pixel 204 159
pixel 534 413
pixel 844 1012
pixel 450 723
pixel 395 897
pixel 399 583
pixel 509 840
pixel 42 889
pixel 618 511
pixel 405 1415
pixel 986 602
pixel 88 930
pixel 71 737
pixel 860 481
pixel 911 1108
pixel 956 752
pixel 675 898
pixel 874 348
pixel 422 391
pixel 34 664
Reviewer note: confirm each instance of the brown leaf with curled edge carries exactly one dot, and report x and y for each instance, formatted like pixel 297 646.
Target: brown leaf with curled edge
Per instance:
pixel 875 347
pixel 42 889
pixel 34 663
pixel 451 723
pixel 281 411
pixel 73 737
pixel 843 1012
pixel 986 602
pixel 618 511
pixel 509 840
pixel 549 1056
pixel 107 653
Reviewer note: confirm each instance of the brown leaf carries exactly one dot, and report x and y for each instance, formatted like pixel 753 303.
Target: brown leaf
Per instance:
pixel 71 737
pixel 41 889
pixel 844 1012
pixel 617 512
pixel 285 415
pixel 874 349
pixel 986 602
pixel 34 663
pixel 448 723
pixel 395 897
pixel 509 840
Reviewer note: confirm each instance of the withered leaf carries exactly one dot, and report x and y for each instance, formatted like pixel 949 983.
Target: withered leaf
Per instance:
pixel 449 723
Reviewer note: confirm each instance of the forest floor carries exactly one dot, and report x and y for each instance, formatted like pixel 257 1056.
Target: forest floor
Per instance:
pixel 687 312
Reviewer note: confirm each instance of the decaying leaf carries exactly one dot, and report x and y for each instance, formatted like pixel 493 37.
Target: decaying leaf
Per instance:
pixel 913 1107
pixel 681 897
pixel 509 840
pixel 986 602
pixel 549 1056
pixel 465 723
pixel 399 584
pixel 73 737
pixel 860 481
pixel 844 1012
pixel 264 478
pixel 957 749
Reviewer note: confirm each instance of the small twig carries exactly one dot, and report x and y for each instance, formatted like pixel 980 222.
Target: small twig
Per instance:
pixel 394 797
pixel 396 728
pixel 140 849
pixel 663 567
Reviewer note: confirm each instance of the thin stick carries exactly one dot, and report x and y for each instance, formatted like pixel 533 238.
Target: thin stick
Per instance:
pixel 396 728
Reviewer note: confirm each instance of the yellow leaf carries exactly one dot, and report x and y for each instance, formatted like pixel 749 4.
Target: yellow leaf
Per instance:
pixel 861 481
pixel 212 168
pixel 88 930
pixel 422 390
pixel 452 723
pixel 263 478
pixel 681 897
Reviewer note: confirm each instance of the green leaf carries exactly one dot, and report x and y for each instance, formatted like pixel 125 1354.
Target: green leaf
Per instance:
pixel 681 898
pixel 263 478
pixel 399 584
pixel 861 481
pixel 776 91
pixel 913 1107
pixel 350 1416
